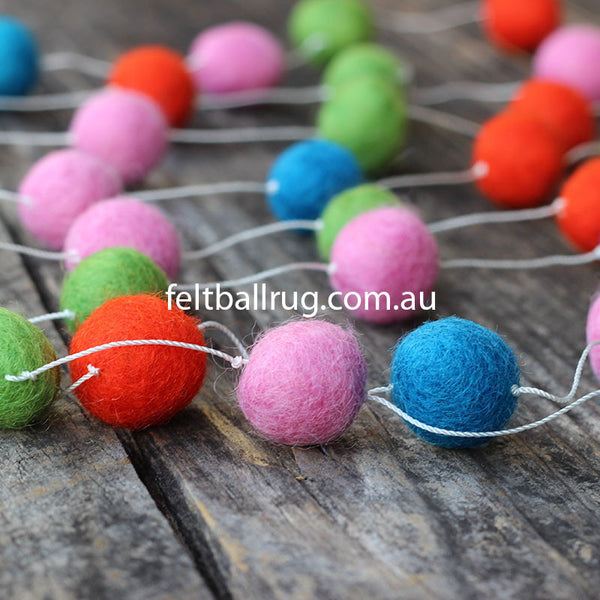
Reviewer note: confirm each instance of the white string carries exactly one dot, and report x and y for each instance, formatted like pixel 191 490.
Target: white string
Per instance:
pixel 220 327
pixel 236 361
pixel 264 97
pixel 269 273
pixel 64 314
pixel 517 264
pixel 252 234
pixel 62 101
pixel 510 216
pixel 16 198
pixel 208 189
pixel 583 151
pixel 60 61
pixel 241 135
pixel 444 120
pixel 441 20
pixel 92 372
pixel 34 138
pixel 35 252
pixel 478 171
pixel 465 90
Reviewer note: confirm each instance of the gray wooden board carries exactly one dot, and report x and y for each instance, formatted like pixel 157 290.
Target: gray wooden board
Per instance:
pixel 203 506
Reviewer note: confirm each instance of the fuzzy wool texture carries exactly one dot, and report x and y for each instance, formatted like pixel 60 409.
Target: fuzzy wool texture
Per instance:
pixel 142 386
pixel 58 188
pixel 107 274
pixel 346 206
pixel 515 25
pixel 455 374
pixel 389 250
pixel 368 116
pixel 579 217
pixel 592 331
pixel 161 74
pixel 236 57
pixel 123 128
pixel 525 160
pixel 24 348
pixel 19 58
pixel 564 110
pixel 571 55
pixel 129 223
pixel 319 29
pixel 365 59
pixel 307 175
pixel 304 383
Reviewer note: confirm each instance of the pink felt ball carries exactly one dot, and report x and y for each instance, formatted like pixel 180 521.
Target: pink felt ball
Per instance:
pixel 58 188
pixel 386 255
pixel 128 223
pixel 236 57
pixel 123 128
pixel 571 55
pixel 593 334
pixel 304 383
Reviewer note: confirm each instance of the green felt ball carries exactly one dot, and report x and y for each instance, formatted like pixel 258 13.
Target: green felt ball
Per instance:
pixel 319 29
pixel 23 347
pixel 344 207
pixel 110 273
pixel 366 59
pixel 368 116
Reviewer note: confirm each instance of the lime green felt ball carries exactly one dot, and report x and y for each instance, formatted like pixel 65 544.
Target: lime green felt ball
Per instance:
pixel 368 116
pixel 344 207
pixel 107 274
pixel 319 29
pixel 23 347
pixel 366 59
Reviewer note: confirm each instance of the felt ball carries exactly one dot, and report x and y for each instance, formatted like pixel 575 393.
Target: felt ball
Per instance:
pixel 524 160
pixel 593 333
pixel 365 59
pixel 517 25
pixel 141 386
pixel 19 58
pixel 107 274
pixel 124 222
pixel 579 216
pixel 368 116
pixel 307 175
pixel 456 375
pixel 24 348
pixel 571 56
pixel 304 383
pixel 319 29
pixel 58 188
pixel 389 252
pixel 346 206
pixel 161 74
pixel 564 110
pixel 124 129
pixel 236 57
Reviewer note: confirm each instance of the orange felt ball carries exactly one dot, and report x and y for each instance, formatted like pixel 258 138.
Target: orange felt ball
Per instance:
pixel 520 24
pixel 161 74
pixel 560 107
pixel 579 217
pixel 140 386
pixel 521 158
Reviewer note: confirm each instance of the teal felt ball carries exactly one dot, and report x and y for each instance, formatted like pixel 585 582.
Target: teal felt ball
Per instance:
pixel 19 58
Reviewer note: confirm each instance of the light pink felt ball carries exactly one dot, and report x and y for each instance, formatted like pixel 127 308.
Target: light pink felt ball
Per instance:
pixel 387 250
pixel 124 129
pixel 571 55
pixel 128 223
pixel 593 334
pixel 58 188
pixel 236 57
pixel 304 383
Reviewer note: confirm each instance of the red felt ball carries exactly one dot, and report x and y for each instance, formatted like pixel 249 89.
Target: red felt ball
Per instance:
pixel 579 217
pixel 161 74
pixel 521 160
pixel 563 109
pixel 520 24
pixel 141 386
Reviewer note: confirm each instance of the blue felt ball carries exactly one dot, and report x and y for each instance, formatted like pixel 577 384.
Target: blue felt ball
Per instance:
pixel 455 374
pixel 19 58
pixel 309 174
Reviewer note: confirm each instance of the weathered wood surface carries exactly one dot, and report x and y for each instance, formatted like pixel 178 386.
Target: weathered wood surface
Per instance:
pixel 202 507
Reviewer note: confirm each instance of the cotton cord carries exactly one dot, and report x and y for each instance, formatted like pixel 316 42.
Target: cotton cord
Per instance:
pixel 478 171
pixel 60 61
pixel 92 372
pixel 220 327
pixel 287 96
pixel 465 90
pixel 35 138
pixel 444 120
pixel 582 152
pixel 55 316
pixel 15 198
pixel 208 189
pixel 37 253
pixel 44 102
pixel 241 135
